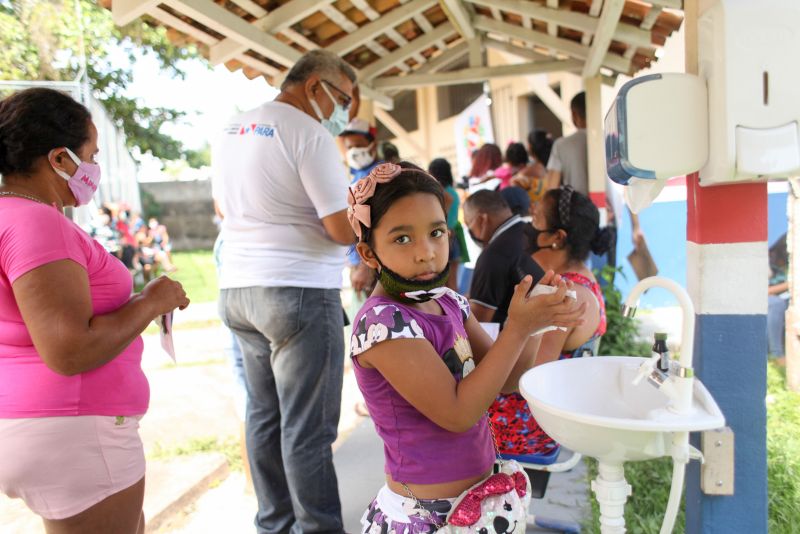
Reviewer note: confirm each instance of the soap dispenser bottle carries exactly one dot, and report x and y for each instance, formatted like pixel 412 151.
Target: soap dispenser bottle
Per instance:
pixel 660 348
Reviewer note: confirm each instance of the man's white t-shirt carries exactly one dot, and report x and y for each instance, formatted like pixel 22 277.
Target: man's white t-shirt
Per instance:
pixel 277 172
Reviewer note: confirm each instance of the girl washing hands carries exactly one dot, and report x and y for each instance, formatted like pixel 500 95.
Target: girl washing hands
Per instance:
pixel 426 368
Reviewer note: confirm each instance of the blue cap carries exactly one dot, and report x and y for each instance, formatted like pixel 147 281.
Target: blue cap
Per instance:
pixel 517 199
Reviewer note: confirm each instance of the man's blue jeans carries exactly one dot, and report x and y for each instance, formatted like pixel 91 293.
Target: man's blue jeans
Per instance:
pixel 292 340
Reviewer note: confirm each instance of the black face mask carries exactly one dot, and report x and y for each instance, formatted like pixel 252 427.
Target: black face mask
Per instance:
pixel 533 234
pixel 478 242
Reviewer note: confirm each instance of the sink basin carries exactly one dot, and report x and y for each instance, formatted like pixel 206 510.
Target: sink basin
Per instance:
pixel 591 406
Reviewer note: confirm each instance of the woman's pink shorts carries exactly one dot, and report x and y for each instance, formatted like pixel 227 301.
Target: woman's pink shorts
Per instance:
pixel 60 466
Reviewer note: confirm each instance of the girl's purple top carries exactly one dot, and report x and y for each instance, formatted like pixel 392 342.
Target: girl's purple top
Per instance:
pixel 417 450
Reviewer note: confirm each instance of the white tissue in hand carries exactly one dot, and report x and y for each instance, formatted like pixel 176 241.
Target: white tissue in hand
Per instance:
pixel 541 289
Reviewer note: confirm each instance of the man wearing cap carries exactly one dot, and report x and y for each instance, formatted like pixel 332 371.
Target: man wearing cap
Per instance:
pixel 361 155
pixel 361 150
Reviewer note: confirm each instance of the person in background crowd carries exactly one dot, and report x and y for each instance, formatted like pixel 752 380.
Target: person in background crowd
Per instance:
pixel 388 152
pixel 72 390
pixel 518 201
pixel 533 177
pixel 778 298
pixel 516 160
pixel 565 228
pixel 503 261
pixel 484 162
pixel 568 166
pixel 440 169
pixel 361 155
pixel 285 234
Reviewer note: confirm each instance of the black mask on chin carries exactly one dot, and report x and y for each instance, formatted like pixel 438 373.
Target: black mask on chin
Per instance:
pixel 478 242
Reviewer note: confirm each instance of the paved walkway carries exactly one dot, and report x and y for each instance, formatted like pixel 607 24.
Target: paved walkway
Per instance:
pixel 191 405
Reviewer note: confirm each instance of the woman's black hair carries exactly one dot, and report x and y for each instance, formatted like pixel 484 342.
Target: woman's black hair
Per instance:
pixel 574 213
pixel 412 179
pixel 541 145
pixel 516 154
pixel 35 121
pixel 441 170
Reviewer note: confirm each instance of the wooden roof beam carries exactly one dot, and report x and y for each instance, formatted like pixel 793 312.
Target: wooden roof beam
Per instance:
pixel 227 23
pixel 459 16
pixel 372 29
pixel 594 11
pixel 270 23
pixel 524 53
pixel 565 46
pixel 413 47
pixel 126 11
pixel 472 75
pixel 569 19
pixel 171 20
pixel 609 20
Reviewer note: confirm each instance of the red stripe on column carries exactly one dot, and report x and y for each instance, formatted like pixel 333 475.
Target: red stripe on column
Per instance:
pixel 599 199
pixel 725 213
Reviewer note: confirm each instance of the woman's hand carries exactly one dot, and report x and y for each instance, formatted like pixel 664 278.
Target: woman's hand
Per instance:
pixel 530 314
pixel 164 295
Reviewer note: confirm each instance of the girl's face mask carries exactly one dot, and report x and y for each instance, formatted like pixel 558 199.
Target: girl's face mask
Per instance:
pixel 83 183
pixel 412 291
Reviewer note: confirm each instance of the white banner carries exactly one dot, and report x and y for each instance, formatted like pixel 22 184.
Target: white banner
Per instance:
pixel 473 128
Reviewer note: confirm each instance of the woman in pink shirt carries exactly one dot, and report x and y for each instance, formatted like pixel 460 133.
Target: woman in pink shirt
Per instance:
pixel 72 388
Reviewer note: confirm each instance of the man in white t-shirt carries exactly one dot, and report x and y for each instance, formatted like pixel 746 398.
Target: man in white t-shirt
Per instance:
pixel 568 165
pixel 282 186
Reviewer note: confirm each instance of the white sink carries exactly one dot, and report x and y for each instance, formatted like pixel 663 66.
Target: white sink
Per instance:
pixel 591 406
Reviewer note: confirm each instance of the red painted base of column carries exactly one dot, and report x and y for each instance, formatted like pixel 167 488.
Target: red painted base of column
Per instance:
pixel 725 213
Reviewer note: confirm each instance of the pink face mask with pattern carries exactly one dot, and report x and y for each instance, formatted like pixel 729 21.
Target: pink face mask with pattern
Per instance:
pixel 83 183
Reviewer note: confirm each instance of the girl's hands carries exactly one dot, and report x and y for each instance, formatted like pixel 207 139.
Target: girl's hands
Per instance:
pixel 530 314
pixel 164 295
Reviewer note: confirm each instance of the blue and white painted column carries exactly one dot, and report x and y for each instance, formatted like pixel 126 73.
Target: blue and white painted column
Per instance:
pixel 727 280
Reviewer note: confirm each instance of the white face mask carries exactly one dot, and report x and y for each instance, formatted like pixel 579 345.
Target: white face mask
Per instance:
pixel 360 157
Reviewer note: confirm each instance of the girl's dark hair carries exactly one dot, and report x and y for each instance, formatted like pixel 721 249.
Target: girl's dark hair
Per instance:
pixel 35 121
pixel 541 145
pixel 441 170
pixel 516 154
pixel 487 158
pixel 411 180
pixel 574 213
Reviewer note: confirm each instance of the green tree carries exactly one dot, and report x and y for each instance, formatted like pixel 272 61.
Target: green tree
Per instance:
pixel 42 40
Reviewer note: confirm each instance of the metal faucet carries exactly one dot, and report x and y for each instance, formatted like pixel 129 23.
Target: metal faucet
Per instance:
pixel 678 382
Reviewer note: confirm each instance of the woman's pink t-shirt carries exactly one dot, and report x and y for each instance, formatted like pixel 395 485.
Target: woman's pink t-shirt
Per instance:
pixel 32 235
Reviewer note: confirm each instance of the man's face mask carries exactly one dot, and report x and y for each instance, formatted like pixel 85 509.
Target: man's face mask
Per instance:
pixel 337 122
pixel 360 157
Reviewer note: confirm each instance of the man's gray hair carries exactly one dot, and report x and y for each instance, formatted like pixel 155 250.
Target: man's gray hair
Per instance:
pixel 320 62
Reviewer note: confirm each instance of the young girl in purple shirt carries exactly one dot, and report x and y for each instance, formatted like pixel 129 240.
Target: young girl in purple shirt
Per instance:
pixel 426 368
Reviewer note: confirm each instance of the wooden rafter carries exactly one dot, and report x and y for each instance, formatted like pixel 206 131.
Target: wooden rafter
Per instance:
pixel 609 20
pixel 565 46
pixel 479 74
pixel 569 19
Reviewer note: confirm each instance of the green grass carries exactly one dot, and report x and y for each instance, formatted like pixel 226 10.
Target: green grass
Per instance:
pixel 783 453
pixel 644 510
pixel 228 447
pixel 197 274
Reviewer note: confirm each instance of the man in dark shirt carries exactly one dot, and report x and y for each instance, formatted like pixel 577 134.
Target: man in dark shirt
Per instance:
pixel 504 260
